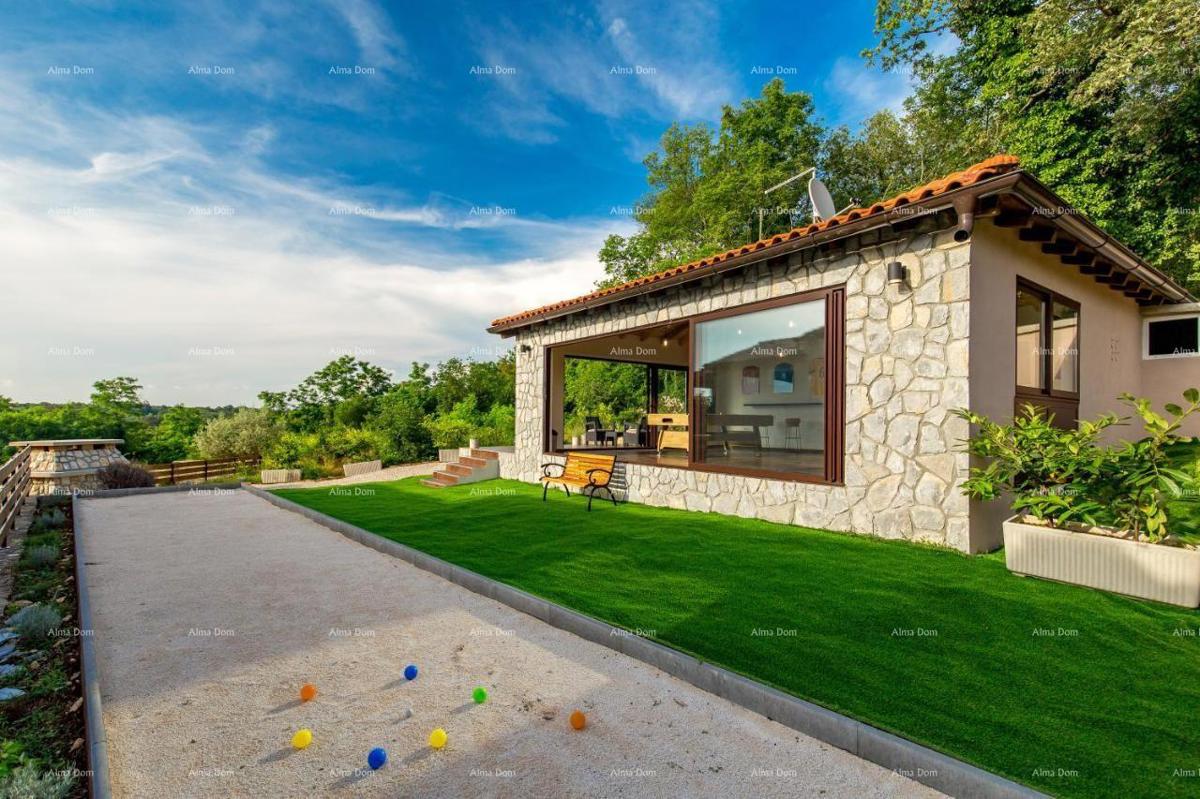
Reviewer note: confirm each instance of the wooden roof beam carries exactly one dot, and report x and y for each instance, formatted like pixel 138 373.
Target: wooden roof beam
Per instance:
pixel 1035 232
pixel 1081 258
pixel 1062 245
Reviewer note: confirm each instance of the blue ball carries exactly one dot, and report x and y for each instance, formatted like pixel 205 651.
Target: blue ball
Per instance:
pixel 410 672
pixel 377 758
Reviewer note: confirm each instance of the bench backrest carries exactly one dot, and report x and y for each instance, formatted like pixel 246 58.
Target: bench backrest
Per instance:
pixel 579 463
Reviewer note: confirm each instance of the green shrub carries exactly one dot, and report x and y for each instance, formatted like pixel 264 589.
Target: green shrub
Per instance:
pixel 26 783
pixel 1065 475
pixel 53 519
pixel 120 474
pixel 39 557
pixel 247 434
pixel 34 623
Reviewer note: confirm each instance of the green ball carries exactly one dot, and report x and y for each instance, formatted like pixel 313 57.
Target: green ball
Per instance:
pixel 479 695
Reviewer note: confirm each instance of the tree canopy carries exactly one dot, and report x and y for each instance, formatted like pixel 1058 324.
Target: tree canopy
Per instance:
pixel 1099 99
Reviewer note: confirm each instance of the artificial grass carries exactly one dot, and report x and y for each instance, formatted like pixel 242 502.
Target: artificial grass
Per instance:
pixel 938 647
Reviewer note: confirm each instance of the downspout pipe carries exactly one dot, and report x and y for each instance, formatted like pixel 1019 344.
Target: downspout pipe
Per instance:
pixel 965 208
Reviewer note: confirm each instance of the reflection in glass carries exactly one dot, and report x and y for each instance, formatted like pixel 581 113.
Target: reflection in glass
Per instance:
pixel 1064 350
pixel 775 428
pixel 1030 313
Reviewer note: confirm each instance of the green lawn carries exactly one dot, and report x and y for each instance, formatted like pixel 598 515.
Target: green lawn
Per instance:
pixel 935 646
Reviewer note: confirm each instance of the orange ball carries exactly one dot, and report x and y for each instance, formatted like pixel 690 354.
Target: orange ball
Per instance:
pixel 578 720
pixel 307 691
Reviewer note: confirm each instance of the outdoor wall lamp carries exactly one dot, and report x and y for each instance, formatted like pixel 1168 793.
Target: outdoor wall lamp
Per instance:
pixel 897 273
pixel 526 348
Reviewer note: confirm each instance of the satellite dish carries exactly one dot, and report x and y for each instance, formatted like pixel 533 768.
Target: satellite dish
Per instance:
pixel 822 200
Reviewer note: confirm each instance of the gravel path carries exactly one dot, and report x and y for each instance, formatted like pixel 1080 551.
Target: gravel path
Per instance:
pixel 211 609
pixel 382 476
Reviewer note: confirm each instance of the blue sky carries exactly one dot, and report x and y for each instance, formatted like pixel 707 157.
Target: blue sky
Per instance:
pixel 221 197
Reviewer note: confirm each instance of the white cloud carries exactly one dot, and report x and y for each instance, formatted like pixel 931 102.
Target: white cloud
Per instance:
pixel 857 90
pixel 620 61
pixel 378 43
pixel 131 248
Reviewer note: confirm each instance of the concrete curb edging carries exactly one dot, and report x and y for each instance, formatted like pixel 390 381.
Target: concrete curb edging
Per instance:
pixel 199 488
pixel 97 739
pixel 919 763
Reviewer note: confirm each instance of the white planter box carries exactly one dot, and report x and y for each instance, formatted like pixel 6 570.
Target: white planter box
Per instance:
pixel 280 475
pixel 1148 571
pixel 363 467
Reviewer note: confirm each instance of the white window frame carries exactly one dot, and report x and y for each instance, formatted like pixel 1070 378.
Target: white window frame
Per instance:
pixel 1146 356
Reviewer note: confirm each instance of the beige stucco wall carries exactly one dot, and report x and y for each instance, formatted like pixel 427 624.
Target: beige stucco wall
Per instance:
pixel 1109 351
pixel 1165 379
pixel 906 371
pixel 1110 325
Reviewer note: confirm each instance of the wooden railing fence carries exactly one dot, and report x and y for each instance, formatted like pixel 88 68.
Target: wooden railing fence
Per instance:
pixel 14 488
pixel 196 471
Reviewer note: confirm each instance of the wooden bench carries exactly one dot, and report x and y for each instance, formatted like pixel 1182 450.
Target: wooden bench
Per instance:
pixel 584 471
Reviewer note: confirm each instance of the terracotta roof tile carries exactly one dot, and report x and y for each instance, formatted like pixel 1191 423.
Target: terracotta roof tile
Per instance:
pixel 996 165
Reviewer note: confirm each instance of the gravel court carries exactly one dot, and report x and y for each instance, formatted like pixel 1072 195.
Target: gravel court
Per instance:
pixel 212 608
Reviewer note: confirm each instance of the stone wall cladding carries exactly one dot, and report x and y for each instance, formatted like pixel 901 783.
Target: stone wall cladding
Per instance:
pixel 906 371
pixel 73 468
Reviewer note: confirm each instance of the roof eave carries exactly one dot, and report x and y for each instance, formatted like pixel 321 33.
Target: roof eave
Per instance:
pixel 1018 182
pixel 845 230
pixel 1038 195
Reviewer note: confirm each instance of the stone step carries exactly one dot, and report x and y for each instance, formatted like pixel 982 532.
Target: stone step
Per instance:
pixel 433 484
pixel 458 469
pixel 485 454
pixel 445 479
pixel 474 463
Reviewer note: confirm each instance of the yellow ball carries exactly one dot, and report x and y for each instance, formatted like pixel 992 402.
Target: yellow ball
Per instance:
pixel 437 738
pixel 302 738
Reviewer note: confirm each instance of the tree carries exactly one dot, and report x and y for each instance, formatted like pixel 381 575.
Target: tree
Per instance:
pixel 122 393
pixel 400 419
pixel 115 412
pixel 248 433
pixel 706 192
pixel 884 158
pixel 314 400
pixel 173 437
pixel 1100 99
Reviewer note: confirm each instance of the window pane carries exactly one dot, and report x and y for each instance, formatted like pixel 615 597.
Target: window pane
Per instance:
pixel 775 422
pixel 1064 351
pixel 672 390
pixel 1174 337
pixel 1029 340
pixel 601 399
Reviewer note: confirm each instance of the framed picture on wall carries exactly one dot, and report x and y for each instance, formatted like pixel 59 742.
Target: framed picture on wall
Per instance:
pixel 784 379
pixel 816 377
pixel 750 380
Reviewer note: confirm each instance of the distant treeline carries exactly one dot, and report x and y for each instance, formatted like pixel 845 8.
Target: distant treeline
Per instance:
pixel 347 410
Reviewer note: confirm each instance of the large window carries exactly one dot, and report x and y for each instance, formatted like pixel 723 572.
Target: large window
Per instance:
pixel 786 422
pixel 1047 343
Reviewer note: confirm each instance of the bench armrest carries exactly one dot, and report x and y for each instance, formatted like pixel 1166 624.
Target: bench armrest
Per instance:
pixel 562 467
pixel 591 473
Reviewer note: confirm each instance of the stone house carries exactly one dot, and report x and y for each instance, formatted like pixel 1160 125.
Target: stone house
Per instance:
pixel 811 378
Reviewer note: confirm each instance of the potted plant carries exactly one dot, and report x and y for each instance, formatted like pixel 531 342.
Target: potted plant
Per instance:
pixel 1089 513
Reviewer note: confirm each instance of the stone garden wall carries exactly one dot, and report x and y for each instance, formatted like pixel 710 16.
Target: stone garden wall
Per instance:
pixel 64 467
pixel 906 370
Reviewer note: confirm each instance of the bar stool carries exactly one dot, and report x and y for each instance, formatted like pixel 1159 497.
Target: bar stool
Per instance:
pixel 792 433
